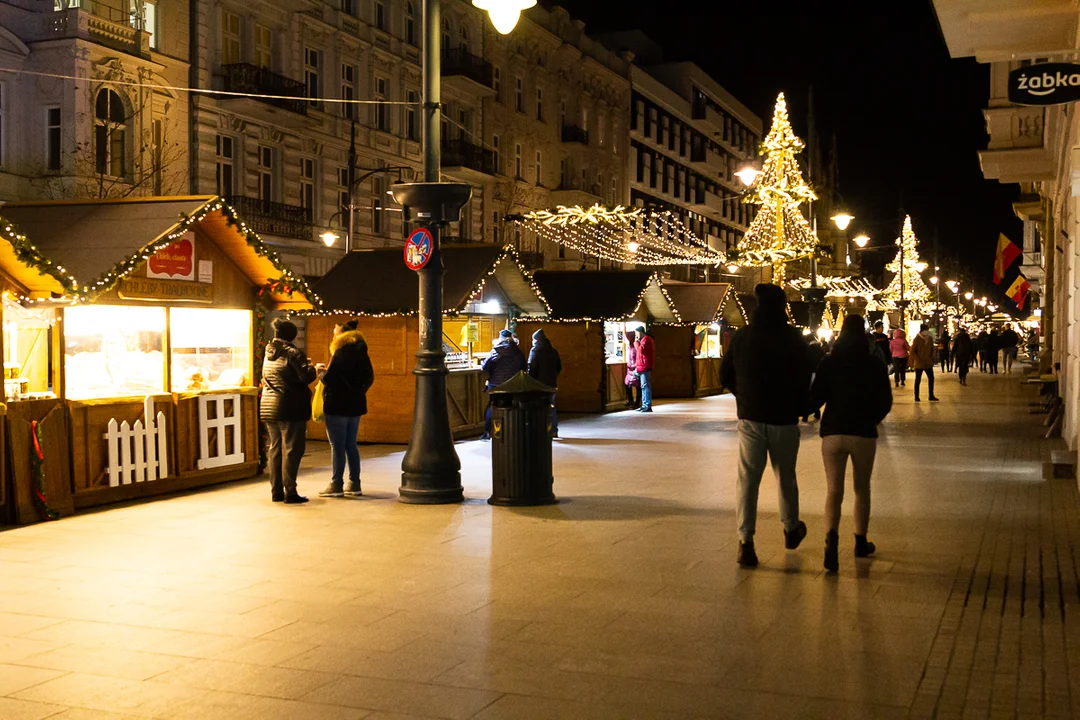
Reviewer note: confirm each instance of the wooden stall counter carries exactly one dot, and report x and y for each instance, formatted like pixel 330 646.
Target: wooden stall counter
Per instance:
pixel 467 401
pixel 50 416
pixel 707 377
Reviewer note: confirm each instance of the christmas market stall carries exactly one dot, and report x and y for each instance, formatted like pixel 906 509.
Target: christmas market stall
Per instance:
pixel 591 310
pixel 688 351
pixel 484 289
pixel 132 359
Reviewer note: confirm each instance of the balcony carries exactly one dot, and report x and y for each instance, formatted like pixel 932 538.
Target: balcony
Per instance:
pixel 575 134
pixel 709 162
pixel 467 161
pixel 254 80
pixel 103 24
pixel 467 73
pixel 574 192
pixel 271 218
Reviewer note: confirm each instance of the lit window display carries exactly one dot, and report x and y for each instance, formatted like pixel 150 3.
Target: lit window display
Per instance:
pixel 28 343
pixel 615 342
pixel 211 348
pixel 707 341
pixel 114 351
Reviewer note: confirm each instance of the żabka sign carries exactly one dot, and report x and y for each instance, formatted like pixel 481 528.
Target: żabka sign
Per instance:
pixel 1046 84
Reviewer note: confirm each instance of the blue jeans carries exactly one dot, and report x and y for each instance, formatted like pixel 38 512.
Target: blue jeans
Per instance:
pixel 646 389
pixel 341 430
pixel 759 443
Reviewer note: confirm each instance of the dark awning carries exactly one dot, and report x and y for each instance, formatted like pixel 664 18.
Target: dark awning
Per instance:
pixel 603 294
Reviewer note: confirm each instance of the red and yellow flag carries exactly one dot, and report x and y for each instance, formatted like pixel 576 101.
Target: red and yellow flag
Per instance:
pixel 1007 252
pixel 1018 291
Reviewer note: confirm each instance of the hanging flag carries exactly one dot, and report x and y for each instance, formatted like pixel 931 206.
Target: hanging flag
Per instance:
pixel 1018 291
pixel 1007 252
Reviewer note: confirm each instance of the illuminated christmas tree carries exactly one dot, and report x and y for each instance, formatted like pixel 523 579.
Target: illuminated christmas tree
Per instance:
pixel 907 284
pixel 779 232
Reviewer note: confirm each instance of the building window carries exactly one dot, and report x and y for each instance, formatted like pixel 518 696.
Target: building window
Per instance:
pixel 497 82
pixel 495 227
pixel 143 17
pixel 498 154
pixel 226 164
pixel 382 112
pixel 539 168
pixel 464 35
pixel 412 115
pixel 264 47
pixel 307 186
pixel 343 194
pixel 348 91
pixel 540 104
pixel 614 199
pixel 380 14
pixel 348 7
pixel 600 136
pixel 464 126
pixel 517 162
pixel 311 75
pixel 230 38
pixel 158 149
pixel 110 132
pixel 519 89
pixel 52 138
pixel 410 23
pixel 266 174
pixel 446 36
pixel 563 173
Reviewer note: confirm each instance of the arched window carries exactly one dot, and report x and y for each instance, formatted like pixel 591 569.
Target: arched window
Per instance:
pixel 446 35
pixel 410 23
pixel 464 39
pixel 110 133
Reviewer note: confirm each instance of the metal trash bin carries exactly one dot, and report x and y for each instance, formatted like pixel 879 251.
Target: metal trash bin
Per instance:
pixel 521 443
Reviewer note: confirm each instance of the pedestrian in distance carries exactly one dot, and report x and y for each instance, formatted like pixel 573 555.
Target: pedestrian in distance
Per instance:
pixel 643 363
pixel 855 392
pixel 1009 342
pixel 817 354
pixel 544 366
pixel 943 351
pixel 346 381
pixel 631 379
pixel 993 350
pixel 505 361
pixel 767 368
pixel 982 342
pixel 881 343
pixel 1033 347
pixel 898 351
pixel 285 407
pixel 921 360
pixel 963 350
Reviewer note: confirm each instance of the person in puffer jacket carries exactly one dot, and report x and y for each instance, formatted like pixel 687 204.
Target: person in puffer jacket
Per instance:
pixel 345 384
pixel 285 407
pixel 505 361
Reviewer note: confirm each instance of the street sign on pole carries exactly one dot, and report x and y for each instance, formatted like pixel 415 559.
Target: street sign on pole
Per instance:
pixel 418 248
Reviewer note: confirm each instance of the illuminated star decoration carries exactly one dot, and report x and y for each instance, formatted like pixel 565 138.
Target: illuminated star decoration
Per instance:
pixel 779 233
pixel 624 235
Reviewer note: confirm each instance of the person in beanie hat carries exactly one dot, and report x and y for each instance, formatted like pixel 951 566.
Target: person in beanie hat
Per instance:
pixel 285 407
pixel 545 366
pixel 505 361
pixel 767 368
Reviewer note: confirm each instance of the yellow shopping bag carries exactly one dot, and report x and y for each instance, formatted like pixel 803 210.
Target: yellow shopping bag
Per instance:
pixel 317 404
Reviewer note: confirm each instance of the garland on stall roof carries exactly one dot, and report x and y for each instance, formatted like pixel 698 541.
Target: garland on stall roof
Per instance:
pixel 29 255
pixel 37 475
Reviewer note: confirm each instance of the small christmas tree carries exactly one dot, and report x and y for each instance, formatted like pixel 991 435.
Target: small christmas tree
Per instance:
pixel 907 284
pixel 779 232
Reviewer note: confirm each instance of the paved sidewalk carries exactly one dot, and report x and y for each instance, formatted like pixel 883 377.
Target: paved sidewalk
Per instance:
pixel 622 601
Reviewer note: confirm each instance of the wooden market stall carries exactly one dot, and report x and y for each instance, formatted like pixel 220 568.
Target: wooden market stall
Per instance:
pixel 688 352
pixel 140 359
pixel 590 313
pixel 483 287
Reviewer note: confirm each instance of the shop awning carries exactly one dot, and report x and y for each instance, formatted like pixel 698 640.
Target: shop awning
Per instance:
pixel 377 282
pixel 97 241
pixel 701 303
pixel 604 295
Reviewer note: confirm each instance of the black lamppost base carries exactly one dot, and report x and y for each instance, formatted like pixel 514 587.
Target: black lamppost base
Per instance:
pixel 422 489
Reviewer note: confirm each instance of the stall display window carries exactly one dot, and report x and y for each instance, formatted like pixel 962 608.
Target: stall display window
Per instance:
pixel 210 348
pixel 28 344
pixel 707 342
pixel 615 342
pixel 114 351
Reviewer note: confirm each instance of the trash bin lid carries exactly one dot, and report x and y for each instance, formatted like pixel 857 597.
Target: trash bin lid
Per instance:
pixel 521 383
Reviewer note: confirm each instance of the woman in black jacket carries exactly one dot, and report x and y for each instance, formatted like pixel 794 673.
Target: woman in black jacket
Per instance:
pixel 345 384
pixel 856 394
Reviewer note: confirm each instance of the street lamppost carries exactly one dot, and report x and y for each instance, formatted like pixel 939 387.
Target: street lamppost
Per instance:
pixel 431 469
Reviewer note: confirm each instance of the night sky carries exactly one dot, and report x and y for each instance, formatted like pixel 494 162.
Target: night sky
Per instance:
pixel 907 117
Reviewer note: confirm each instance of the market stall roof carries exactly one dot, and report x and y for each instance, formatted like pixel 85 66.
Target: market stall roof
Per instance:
pixel 705 303
pixel 377 282
pixel 604 294
pixel 95 241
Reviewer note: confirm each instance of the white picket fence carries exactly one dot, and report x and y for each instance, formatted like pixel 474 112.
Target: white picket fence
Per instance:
pixel 138 453
pixel 215 454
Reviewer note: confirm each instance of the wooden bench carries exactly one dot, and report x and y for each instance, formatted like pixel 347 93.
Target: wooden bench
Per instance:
pixel 1062 465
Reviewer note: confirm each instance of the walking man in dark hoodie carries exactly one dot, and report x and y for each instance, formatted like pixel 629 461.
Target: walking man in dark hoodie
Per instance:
pixel 545 366
pixel 285 407
pixel 767 368
pixel 505 361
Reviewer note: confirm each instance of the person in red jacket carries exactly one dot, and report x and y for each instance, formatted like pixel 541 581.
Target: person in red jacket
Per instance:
pixel 644 364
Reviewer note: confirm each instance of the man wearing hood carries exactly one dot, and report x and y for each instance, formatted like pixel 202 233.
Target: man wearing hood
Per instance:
pixel 545 366
pixel 285 407
pixel 767 368
pixel 921 360
pixel 505 361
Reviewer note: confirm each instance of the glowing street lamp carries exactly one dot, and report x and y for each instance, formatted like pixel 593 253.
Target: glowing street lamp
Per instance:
pixel 934 280
pixel 733 268
pixel 632 246
pixel 747 174
pixel 504 14
pixel 842 219
pixel 329 238
pixel 861 239
pixel 968 295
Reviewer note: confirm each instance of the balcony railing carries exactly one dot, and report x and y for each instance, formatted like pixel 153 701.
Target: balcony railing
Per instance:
pixel 456 61
pixel 246 78
pixel 271 218
pixel 575 134
pixel 461 153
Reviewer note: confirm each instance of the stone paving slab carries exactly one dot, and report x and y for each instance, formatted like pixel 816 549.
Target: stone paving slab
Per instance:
pixel 622 601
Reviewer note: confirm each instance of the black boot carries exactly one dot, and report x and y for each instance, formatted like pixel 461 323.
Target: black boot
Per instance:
pixel 747 558
pixel 832 551
pixel 793 538
pixel 863 547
